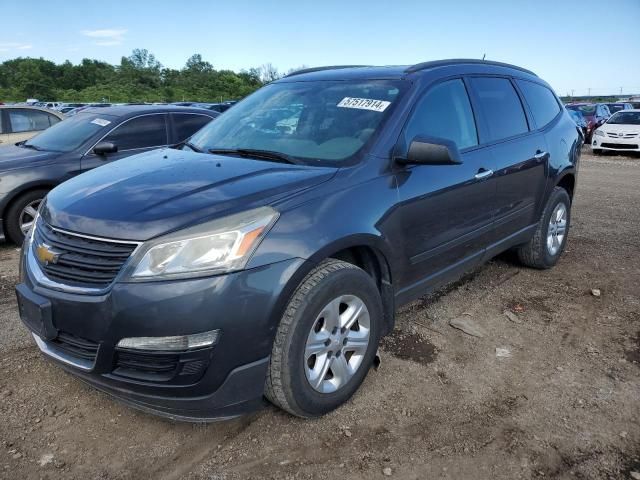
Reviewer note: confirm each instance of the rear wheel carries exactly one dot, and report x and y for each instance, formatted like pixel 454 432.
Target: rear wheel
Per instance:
pixel 22 213
pixel 548 242
pixel 326 340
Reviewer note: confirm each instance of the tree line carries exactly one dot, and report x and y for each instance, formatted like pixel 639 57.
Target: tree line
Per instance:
pixel 139 77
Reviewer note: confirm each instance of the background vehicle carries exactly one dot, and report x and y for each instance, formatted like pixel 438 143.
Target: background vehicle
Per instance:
pixel 620 133
pixel 87 140
pixel 581 122
pixel 21 123
pixel 616 107
pixel 275 246
pixel 594 113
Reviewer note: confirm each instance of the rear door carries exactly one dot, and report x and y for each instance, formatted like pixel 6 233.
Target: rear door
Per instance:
pixel 445 212
pixel 135 135
pixel 519 154
pixel 186 124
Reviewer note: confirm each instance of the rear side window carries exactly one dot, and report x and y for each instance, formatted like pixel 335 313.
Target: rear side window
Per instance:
pixel 541 101
pixel 141 132
pixel 501 107
pixel 23 120
pixel 186 124
pixel 444 112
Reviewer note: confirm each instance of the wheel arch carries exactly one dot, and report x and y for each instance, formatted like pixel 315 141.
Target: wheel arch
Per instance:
pixel 10 198
pixel 369 253
pixel 567 180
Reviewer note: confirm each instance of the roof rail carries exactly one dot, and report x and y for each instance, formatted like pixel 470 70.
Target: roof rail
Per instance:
pixel 320 69
pixel 455 61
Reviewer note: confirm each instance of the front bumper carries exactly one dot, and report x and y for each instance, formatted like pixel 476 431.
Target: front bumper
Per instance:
pixel 80 333
pixel 616 144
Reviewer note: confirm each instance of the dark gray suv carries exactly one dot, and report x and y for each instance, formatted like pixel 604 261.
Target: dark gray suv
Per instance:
pixel 266 256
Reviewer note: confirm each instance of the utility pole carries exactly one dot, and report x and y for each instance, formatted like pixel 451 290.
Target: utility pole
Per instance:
pixel 572 90
pixel 589 94
pixel 620 90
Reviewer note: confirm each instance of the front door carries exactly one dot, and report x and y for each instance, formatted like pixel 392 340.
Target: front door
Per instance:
pixel 446 211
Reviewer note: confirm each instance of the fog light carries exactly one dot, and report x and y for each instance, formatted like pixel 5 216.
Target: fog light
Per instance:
pixel 180 342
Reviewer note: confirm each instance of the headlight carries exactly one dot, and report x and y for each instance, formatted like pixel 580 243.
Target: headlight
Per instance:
pixel 599 133
pixel 218 246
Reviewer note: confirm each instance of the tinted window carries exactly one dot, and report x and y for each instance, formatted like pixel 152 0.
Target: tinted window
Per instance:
pixel 444 112
pixel 28 120
pixel 541 101
pixel 140 132
pixel 186 124
pixel 73 132
pixel 501 107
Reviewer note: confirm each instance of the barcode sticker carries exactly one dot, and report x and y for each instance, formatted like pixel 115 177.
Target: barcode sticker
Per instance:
pixel 364 104
pixel 101 122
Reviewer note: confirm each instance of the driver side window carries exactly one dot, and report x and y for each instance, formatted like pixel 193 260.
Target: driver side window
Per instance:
pixel 141 132
pixel 444 112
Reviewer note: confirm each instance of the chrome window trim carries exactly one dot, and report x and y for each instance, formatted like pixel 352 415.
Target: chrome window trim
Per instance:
pixel 166 131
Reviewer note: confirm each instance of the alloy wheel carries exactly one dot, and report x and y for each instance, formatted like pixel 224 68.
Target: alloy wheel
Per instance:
pixel 557 228
pixel 28 215
pixel 337 343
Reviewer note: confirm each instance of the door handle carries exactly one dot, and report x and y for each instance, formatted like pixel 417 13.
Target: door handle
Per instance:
pixel 540 155
pixel 483 174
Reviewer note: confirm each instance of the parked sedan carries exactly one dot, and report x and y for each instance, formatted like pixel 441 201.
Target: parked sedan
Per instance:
pixel 620 133
pixel 616 107
pixel 93 137
pixel 21 123
pixel 594 113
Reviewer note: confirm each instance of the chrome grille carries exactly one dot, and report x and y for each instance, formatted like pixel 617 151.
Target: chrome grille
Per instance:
pixel 80 261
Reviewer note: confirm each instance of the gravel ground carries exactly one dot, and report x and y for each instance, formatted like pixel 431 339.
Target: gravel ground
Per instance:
pixel 563 403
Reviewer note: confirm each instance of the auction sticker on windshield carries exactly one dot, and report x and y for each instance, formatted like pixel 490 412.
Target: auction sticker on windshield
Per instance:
pixel 101 122
pixel 364 104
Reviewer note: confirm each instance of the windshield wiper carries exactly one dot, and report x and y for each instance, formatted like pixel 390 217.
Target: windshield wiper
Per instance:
pixel 256 153
pixel 28 145
pixel 186 143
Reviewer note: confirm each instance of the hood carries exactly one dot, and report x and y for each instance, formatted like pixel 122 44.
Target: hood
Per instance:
pixel 616 128
pixel 12 157
pixel 146 195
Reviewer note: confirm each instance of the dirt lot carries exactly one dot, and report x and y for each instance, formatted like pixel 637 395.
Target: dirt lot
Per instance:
pixel 564 404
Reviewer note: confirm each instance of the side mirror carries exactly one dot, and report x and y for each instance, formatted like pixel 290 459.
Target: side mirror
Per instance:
pixel 425 150
pixel 103 148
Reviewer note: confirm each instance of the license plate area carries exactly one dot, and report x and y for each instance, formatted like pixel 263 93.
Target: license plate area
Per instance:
pixel 35 312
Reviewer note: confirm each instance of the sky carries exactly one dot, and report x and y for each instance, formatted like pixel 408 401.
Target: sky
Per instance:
pixel 578 46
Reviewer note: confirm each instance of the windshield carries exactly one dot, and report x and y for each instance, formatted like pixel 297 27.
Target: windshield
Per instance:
pixel 615 107
pixel 625 118
pixel 69 134
pixel 586 110
pixel 322 122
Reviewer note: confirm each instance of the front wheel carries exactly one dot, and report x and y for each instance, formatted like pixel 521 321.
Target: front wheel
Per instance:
pixel 596 151
pixel 22 213
pixel 326 341
pixel 550 238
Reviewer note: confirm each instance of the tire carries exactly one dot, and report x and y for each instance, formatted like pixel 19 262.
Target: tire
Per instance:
pixel 14 213
pixel 596 151
pixel 288 384
pixel 537 253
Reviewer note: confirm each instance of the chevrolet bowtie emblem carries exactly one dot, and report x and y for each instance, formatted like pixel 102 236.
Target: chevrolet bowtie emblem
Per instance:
pixel 46 255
